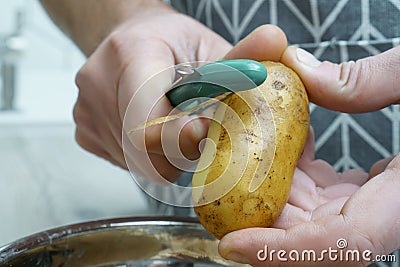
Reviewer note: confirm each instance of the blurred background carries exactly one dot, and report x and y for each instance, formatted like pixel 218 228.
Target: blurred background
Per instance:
pixel 46 179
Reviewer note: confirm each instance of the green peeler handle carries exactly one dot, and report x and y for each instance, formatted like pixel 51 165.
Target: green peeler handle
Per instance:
pixel 225 81
pixel 254 70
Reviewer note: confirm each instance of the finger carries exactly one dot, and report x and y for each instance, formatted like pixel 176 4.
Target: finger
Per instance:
pixel 394 164
pixel 144 82
pixel 379 167
pixel 321 173
pixel 305 195
pixel 96 112
pixel 147 79
pixel 267 42
pixel 308 154
pixel 88 143
pixel 365 85
pixel 303 192
pixel 254 245
pixel 148 166
pixel 290 216
pixel 329 208
pixel 354 176
pixel 324 175
pixel 142 97
pixel 337 191
pixel 96 136
pixel 177 138
pixel 219 47
pixel 164 168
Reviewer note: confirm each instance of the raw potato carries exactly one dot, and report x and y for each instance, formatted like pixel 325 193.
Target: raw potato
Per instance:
pixel 255 154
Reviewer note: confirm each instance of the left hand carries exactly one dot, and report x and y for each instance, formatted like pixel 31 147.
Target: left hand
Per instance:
pixel 325 206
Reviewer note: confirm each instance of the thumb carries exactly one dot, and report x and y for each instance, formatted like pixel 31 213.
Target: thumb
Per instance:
pixel 365 85
pixel 267 42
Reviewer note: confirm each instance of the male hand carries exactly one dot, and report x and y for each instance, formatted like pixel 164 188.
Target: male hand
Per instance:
pixel 121 68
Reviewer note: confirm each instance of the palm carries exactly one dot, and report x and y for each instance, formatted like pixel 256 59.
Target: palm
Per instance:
pixel 325 206
pixel 318 190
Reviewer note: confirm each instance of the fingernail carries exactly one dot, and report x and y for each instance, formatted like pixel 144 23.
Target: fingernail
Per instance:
pixel 237 257
pixel 307 58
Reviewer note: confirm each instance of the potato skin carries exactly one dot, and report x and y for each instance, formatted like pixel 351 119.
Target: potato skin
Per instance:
pixel 239 208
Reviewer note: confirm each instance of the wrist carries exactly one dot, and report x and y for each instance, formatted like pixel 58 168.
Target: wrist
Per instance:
pixel 126 12
pixel 89 22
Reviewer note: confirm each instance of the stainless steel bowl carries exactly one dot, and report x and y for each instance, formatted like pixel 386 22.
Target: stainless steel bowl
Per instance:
pixel 165 241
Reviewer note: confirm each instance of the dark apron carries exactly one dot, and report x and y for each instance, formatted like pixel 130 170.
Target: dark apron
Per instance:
pixel 332 30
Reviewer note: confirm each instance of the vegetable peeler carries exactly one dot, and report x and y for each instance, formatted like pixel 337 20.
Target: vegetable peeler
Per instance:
pixel 195 85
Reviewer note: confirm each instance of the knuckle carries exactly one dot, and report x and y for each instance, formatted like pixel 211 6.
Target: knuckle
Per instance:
pixel 121 44
pixel 117 50
pixel 85 142
pixel 81 139
pixel 353 78
pixel 76 114
pixel 117 41
pixel 350 79
pixel 82 77
pixel 85 79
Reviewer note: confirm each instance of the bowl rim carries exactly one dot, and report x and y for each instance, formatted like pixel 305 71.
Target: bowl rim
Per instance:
pixel 24 244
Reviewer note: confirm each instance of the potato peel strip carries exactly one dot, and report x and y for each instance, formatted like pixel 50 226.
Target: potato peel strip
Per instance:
pixel 179 115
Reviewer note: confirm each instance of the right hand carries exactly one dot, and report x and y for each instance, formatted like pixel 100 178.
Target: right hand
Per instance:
pixel 136 50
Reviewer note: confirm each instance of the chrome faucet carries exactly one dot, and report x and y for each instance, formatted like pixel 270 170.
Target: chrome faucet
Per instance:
pixel 11 48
